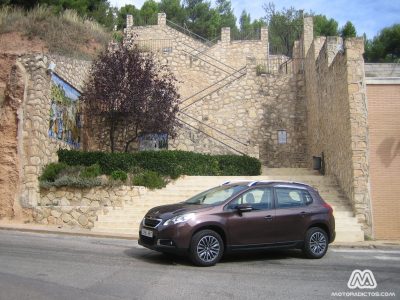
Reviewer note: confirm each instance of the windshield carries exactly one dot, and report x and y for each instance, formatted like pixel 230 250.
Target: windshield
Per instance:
pixel 215 195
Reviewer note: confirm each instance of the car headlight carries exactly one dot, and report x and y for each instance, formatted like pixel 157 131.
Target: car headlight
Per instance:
pixel 179 219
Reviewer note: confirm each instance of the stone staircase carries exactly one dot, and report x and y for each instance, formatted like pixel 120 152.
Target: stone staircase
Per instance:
pixel 126 220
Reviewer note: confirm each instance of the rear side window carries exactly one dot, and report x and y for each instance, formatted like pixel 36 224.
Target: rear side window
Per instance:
pixel 258 199
pixel 292 197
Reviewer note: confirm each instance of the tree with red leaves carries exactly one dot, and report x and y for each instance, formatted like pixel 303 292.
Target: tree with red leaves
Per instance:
pixel 132 94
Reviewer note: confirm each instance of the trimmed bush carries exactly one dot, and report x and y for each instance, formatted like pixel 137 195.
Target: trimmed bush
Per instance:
pixel 72 181
pixel 91 171
pixel 149 179
pixel 51 171
pixel 169 163
pixel 119 175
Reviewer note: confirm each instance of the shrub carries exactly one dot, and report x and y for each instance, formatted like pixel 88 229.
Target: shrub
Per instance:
pixel 119 175
pixel 149 179
pixel 51 171
pixel 72 181
pixel 91 171
pixel 231 165
pixel 168 163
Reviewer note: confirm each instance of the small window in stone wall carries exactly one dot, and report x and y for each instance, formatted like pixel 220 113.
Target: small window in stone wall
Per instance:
pixel 65 114
pixel 282 137
pixel 153 141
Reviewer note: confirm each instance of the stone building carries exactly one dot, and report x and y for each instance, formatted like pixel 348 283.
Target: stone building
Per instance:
pixel 236 98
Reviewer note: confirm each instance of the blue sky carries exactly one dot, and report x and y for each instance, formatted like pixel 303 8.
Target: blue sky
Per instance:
pixel 367 16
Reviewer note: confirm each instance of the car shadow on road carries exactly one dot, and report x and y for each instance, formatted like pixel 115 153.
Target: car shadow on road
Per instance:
pixel 271 256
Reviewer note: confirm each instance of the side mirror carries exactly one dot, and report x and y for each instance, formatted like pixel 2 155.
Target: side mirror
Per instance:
pixel 244 208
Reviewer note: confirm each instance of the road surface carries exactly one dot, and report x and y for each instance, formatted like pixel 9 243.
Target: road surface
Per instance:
pixel 49 266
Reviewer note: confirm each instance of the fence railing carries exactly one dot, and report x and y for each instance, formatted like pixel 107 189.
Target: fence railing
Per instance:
pixel 184 29
pixel 145 21
pixel 159 45
pixel 249 35
pixel 279 64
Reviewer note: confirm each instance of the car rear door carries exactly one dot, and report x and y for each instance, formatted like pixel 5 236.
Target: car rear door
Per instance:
pixel 293 214
pixel 255 227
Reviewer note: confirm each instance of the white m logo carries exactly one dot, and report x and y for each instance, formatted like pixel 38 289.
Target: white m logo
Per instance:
pixel 362 280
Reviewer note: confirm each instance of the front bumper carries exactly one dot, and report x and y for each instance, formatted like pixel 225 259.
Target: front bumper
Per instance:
pixel 172 239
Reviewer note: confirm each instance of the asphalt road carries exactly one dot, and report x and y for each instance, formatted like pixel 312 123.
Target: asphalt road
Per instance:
pixel 43 266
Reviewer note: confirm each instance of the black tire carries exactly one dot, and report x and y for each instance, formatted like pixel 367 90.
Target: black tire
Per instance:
pixel 315 243
pixel 206 248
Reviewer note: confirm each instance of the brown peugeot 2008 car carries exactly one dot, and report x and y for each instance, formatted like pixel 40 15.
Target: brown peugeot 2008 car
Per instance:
pixel 239 216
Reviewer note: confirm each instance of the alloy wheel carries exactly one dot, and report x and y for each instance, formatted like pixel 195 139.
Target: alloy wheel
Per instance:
pixel 208 248
pixel 317 243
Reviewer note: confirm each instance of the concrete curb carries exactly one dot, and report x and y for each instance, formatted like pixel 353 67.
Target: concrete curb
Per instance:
pixel 49 229
pixel 63 231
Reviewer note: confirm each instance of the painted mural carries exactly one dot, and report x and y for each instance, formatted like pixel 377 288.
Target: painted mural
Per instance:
pixel 153 141
pixel 65 114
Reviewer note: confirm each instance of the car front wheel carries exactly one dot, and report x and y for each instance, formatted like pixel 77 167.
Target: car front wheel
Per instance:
pixel 315 243
pixel 206 248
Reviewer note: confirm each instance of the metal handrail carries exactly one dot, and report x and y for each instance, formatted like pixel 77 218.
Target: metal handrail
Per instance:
pixel 216 90
pixel 215 83
pixel 217 130
pixel 213 58
pixel 189 32
pixel 205 133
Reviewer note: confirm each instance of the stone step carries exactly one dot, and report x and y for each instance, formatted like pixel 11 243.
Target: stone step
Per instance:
pixel 349 236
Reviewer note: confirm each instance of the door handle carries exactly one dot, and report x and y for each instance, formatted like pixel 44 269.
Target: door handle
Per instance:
pixel 268 218
pixel 303 213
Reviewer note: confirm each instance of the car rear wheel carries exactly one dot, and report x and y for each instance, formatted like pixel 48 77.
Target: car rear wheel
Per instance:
pixel 206 248
pixel 315 243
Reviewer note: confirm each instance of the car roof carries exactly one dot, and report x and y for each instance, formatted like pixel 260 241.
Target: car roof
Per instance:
pixel 275 183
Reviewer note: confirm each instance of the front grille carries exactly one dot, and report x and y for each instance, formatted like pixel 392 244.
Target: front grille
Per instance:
pixel 151 222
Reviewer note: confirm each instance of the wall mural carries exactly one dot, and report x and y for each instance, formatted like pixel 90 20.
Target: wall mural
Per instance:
pixel 65 114
pixel 153 141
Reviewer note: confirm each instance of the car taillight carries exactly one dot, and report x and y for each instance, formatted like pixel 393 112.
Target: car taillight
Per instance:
pixel 328 207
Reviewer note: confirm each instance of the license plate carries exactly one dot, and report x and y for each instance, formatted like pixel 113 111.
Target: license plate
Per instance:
pixel 147 232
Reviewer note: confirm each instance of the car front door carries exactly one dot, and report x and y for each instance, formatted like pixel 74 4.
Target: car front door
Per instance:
pixel 254 227
pixel 292 213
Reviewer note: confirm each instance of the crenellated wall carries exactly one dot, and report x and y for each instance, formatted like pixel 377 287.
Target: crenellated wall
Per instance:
pixel 337 115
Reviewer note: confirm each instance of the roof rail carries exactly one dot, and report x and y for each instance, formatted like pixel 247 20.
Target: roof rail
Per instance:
pixel 236 180
pixel 282 181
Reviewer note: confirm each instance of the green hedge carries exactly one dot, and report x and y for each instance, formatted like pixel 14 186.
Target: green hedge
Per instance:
pixel 171 163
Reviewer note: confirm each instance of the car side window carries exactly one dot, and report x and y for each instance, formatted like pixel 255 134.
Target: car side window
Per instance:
pixel 258 199
pixel 290 197
pixel 307 197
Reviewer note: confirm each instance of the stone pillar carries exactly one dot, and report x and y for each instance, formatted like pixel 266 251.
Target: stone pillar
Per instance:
pixel 129 21
pixel 308 34
pixel 226 35
pixel 354 49
pixel 334 45
pixel 162 19
pixel 264 34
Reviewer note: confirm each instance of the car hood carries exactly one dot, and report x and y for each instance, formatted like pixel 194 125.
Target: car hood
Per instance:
pixel 171 210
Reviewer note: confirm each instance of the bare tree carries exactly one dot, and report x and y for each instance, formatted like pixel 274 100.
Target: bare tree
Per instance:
pixel 132 93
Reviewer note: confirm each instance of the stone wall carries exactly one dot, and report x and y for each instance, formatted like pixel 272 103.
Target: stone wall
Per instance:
pixel 226 107
pixel 249 112
pixel 26 145
pixel 73 207
pixel 337 116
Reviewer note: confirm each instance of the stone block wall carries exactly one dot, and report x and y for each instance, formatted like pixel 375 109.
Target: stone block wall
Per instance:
pixel 27 116
pixel 72 207
pixel 226 107
pixel 337 116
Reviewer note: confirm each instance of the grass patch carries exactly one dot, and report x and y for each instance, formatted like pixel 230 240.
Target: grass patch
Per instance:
pixel 65 33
